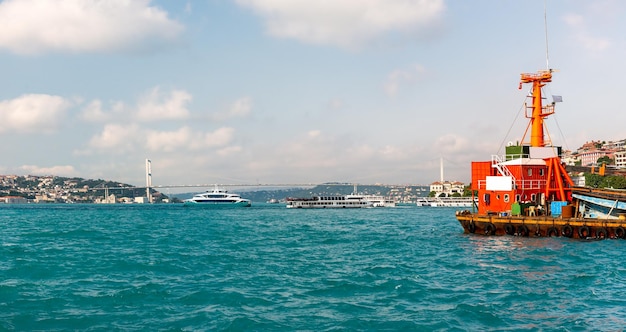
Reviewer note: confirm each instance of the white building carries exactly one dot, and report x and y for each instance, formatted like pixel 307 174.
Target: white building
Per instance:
pixel 447 188
pixel 620 159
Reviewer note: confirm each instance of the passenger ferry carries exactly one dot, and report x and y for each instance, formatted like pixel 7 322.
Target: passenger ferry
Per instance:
pixel 329 202
pixel 217 197
pixel 447 201
pixel 380 201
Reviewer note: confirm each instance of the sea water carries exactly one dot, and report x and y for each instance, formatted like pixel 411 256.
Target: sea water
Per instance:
pixel 268 268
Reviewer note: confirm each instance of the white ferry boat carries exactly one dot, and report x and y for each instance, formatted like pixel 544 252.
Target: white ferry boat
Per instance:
pixel 217 197
pixel 380 201
pixel 447 201
pixel 329 202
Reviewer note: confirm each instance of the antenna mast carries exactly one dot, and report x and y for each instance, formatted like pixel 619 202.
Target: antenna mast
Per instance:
pixel 545 24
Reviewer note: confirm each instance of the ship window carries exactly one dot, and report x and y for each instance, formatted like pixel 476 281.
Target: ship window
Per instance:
pixel 506 198
pixel 486 199
pixel 517 197
pixel 530 172
pixel 541 171
pixel 533 197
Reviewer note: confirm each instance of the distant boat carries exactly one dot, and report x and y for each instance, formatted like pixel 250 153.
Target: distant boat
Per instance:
pixel 447 201
pixel 379 201
pixel 217 197
pixel 329 202
pixel 353 200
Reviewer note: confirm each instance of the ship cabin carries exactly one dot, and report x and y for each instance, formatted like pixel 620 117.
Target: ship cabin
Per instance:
pixel 523 182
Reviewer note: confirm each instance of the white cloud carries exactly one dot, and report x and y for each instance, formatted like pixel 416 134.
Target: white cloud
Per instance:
pixel 117 138
pixel 346 23
pixel 168 141
pixel 230 150
pixel 335 104
pixel 314 133
pixel 32 113
pixel 125 138
pixel 37 26
pixel 240 108
pixel 54 170
pixel 450 144
pixel 400 77
pixel 584 36
pixel 155 106
pixel 219 137
pixel 94 113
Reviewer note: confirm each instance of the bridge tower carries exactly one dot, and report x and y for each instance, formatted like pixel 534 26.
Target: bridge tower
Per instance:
pixel 148 180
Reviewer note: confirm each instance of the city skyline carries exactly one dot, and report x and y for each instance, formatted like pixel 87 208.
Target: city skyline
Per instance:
pixel 258 91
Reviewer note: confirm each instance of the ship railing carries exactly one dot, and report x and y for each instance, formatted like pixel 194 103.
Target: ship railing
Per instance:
pixel 514 156
pixel 519 184
pixel 530 184
pixel 546 110
pixel 496 162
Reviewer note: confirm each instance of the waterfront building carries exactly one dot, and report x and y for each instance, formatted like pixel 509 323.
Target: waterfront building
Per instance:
pixel 447 188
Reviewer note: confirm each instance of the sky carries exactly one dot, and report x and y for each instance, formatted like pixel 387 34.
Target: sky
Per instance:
pixel 296 91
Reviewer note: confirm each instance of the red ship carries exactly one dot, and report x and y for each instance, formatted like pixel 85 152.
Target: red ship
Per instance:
pixel 528 192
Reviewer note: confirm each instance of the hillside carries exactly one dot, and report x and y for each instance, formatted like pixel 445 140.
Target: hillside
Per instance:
pixel 406 193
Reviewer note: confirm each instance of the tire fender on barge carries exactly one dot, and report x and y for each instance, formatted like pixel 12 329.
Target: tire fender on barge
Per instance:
pixel 544 226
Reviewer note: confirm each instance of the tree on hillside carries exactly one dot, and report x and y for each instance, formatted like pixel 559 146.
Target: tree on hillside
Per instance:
pixel 467 190
pixel 605 160
pixel 609 181
pixel 616 182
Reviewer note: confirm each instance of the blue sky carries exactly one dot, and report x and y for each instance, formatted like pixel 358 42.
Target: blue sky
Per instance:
pixel 295 91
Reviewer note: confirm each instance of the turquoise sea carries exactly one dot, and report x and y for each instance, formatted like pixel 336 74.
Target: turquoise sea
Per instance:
pixel 268 268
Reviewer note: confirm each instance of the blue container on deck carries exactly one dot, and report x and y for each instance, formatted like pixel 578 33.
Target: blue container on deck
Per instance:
pixel 556 208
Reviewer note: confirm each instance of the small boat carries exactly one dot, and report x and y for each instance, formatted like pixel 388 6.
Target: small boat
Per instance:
pixel 217 197
pixel 528 192
pixel 600 203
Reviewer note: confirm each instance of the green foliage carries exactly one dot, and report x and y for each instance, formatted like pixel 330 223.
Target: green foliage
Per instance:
pixel 593 180
pixel 609 181
pixel 617 182
pixel 328 190
pixel 467 191
pixel 605 160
